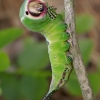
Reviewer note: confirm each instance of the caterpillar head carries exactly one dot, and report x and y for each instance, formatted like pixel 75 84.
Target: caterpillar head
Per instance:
pixel 33 11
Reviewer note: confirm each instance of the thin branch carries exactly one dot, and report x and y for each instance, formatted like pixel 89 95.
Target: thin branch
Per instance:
pixel 75 51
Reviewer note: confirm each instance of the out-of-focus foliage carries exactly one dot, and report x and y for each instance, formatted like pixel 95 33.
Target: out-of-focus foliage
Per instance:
pixel 31 88
pixel 0 91
pixel 28 87
pixel 84 23
pixel 9 35
pixel 95 81
pixel 86 47
pixel 4 61
pixel 99 65
pixel 10 86
pixel 34 55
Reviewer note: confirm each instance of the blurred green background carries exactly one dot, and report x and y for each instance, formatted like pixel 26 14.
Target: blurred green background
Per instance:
pixel 25 71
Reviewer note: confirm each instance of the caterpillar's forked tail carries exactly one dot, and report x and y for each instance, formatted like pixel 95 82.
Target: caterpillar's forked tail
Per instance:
pixel 49 95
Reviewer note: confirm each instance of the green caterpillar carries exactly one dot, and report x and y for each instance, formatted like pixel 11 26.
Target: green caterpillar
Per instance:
pixel 37 16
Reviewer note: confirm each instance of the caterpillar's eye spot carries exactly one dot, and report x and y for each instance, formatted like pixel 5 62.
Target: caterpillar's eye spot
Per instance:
pixel 26 12
pixel 36 8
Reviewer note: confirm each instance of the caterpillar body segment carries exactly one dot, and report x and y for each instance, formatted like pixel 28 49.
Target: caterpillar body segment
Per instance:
pixel 37 16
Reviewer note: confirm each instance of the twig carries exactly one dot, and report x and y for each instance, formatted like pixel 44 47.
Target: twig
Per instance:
pixel 75 51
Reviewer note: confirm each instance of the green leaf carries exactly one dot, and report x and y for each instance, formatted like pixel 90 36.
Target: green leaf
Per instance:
pixel 72 85
pixel 0 91
pixel 10 86
pixel 34 56
pixel 33 88
pixel 23 87
pixel 4 61
pixel 84 23
pixel 86 47
pixel 98 64
pixel 95 82
pixel 9 35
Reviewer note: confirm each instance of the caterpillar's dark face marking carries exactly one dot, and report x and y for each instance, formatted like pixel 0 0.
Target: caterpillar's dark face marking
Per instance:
pixel 35 8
